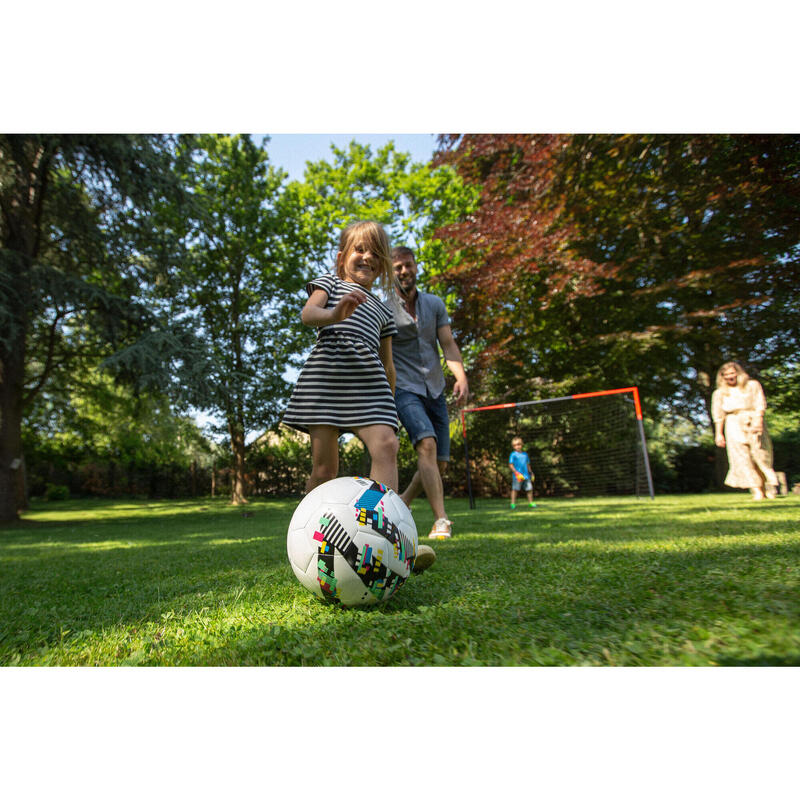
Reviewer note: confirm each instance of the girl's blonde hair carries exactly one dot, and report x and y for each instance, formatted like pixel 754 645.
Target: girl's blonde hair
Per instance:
pixel 741 376
pixel 375 238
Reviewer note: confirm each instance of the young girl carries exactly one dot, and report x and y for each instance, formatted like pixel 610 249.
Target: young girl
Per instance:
pixel 347 383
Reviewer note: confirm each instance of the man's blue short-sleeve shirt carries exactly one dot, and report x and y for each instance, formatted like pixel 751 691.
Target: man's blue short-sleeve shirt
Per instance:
pixel 415 348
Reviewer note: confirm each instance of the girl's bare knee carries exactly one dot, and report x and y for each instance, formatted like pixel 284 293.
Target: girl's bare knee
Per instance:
pixel 324 472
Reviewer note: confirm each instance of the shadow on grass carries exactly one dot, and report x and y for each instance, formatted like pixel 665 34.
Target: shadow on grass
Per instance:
pixel 513 601
pixel 120 575
pixel 641 609
pixel 763 661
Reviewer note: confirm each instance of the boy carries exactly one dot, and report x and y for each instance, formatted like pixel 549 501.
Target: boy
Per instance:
pixel 522 476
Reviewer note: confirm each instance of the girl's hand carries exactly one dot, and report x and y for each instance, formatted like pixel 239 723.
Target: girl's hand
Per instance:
pixel 720 441
pixel 758 425
pixel 347 305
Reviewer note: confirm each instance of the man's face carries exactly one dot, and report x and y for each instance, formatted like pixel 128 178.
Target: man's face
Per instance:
pixel 405 269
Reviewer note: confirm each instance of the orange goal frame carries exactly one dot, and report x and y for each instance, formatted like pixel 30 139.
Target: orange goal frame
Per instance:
pixel 634 390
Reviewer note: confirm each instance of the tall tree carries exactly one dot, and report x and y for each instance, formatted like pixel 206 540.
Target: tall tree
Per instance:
pixel 237 287
pixel 598 260
pixel 507 265
pixel 700 233
pixel 73 240
pixel 410 199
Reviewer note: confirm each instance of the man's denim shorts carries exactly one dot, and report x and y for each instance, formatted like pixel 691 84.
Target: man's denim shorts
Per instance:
pixel 424 416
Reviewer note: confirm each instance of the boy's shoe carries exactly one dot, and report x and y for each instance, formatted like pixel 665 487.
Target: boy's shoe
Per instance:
pixel 513 506
pixel 425 557
pixel 442 529
pixel 531 505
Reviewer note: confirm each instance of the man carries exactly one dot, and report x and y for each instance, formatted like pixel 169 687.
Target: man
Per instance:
pixel 422 322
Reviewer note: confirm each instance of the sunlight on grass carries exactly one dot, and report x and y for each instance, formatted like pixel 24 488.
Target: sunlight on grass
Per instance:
pixel 694 580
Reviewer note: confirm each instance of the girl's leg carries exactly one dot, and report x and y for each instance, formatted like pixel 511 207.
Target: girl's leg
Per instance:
pixel 324 455
pixel 381 442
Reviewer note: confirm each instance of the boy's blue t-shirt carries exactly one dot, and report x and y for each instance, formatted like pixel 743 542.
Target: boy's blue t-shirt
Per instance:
pixel 520 462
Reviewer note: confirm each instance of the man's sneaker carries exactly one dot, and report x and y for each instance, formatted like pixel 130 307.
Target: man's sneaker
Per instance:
pixel 425 557
pixel 442 529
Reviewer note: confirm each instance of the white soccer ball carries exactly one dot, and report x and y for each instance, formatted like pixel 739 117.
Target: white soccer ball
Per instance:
pixel 352 541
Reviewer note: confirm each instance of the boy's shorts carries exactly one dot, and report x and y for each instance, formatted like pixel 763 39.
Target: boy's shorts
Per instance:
pixel 423 417
pixel 517 484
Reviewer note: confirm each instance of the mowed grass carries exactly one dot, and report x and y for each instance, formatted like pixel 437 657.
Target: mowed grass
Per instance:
pixel 681 580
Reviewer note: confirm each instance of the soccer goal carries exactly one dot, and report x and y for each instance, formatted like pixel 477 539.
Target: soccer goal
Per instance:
pixel 580 445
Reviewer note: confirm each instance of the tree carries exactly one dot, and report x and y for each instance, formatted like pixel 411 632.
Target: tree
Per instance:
pixel 126 439
pixel 507 265
pixel 73 244
pixel 595 261
pixel 410 199
pixel 237 287
pixel 700 234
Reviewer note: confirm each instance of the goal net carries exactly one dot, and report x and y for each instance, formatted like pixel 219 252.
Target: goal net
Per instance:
pixel 581 445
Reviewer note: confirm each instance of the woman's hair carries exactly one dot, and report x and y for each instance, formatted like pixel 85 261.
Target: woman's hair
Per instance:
pixel 741 375
pixel 375 238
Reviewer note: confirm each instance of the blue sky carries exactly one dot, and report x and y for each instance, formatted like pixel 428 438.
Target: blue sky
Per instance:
pixel 292 150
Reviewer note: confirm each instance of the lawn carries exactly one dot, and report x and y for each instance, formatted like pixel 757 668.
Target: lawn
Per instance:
pixel 681 580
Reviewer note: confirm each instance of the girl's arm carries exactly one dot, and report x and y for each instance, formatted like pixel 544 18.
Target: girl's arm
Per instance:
pixel 315 315
pixel 385 354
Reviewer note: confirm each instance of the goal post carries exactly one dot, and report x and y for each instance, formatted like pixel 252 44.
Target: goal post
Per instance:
pixel 590 443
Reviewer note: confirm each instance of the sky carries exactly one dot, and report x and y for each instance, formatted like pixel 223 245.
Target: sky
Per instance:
pixel 292 150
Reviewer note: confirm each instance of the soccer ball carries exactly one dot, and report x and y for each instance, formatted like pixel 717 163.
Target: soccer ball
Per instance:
pixel 352 541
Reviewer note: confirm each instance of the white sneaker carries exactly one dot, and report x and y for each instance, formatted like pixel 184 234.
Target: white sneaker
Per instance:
pixel 425 557
pixel 442 529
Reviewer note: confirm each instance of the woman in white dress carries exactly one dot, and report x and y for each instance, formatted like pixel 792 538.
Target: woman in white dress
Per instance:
pixel 737 408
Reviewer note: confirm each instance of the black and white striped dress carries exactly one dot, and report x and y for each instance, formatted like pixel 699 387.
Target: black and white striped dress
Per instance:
pixel 343 382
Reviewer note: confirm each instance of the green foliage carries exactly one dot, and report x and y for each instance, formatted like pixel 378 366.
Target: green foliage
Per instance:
pixel 699 232
pixel 604 261
pixel 410 199
pixel 76 245
pixel 56 492
pixel 102 438
pixel 236 282
pixel 694 580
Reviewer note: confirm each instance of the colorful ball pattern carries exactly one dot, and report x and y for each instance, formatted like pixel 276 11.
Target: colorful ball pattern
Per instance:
pixel 352 541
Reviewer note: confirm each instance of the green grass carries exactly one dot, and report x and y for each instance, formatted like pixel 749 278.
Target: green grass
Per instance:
pixel 682 580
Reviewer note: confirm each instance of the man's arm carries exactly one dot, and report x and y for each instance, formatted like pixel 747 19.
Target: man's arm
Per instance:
pixel 452 357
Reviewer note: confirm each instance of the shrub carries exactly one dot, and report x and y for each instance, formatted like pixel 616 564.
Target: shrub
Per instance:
pixel 56 491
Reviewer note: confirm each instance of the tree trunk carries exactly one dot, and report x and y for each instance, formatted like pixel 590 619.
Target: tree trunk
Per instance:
pixel 238 482
pixel 22 211
pixel 12 475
